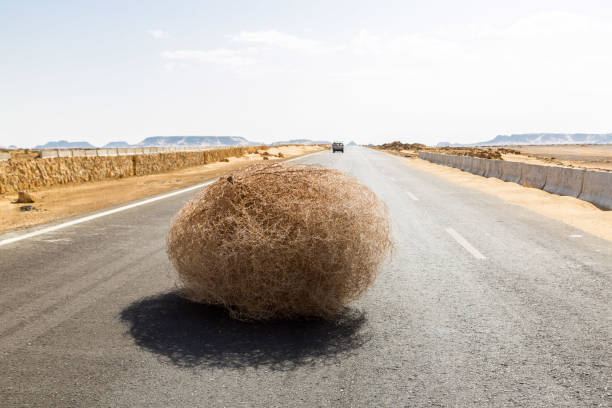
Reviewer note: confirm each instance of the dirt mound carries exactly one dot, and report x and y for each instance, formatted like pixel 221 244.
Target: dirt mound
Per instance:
pixel 483 153
pixel 402 146
pixel 279 241
pixel 412 149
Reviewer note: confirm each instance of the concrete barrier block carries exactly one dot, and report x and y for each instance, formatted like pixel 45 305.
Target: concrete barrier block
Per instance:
pixel 91 152
pixel 533 175
pixel 456 162
pixel 4 156
pixel 511 171
pixel 493 168
pixel 564 181
pixel 597 188
pixel 466 163
pixel 48 153
pixel 478 166
pixel 124 151
pixel 64 153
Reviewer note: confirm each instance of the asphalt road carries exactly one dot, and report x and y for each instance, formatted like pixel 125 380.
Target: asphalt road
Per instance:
pixel 483 304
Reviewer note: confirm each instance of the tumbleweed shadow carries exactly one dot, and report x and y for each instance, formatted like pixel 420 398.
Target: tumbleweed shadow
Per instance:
pixel 191 335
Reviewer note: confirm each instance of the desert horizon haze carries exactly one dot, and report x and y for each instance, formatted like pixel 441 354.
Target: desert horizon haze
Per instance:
pixel 435 71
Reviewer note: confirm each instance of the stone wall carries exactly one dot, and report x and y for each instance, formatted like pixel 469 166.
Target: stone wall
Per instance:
pixel 33 174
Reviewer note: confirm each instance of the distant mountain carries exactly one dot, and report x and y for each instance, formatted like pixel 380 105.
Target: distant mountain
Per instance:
pixel 63 144
pixel 541 139
pixel 163 141
pixel 300 142
pixel 352 143
pixel 117 144
pixel 157 141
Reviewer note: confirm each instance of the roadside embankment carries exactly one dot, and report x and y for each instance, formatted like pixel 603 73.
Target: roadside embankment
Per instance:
pixel 588 185
pixel 32 174
pixel 60 200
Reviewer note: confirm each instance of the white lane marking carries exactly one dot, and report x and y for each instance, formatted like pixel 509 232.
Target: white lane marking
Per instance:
pixel 463 242
pixel 575 236
pixel 116 210
pixel 101 214
pixel 412 196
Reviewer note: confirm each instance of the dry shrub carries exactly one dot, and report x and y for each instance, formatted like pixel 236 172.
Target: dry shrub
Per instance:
pixel 24 197
pixel 280 241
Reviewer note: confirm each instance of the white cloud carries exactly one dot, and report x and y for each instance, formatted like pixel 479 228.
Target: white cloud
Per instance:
pixel 273 38
pixel 157 33
pixel 225 57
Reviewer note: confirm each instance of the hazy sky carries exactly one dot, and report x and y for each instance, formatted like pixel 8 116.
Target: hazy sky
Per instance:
pixel 370 71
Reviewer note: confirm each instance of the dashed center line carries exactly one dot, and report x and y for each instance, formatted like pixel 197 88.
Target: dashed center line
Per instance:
pixel 463 242
pixel 412 196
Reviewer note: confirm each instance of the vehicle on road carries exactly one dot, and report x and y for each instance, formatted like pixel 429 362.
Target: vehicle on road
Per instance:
pixel 337 147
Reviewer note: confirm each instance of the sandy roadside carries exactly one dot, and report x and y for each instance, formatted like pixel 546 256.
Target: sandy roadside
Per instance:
pixel 601 165
pixel 570 210
pixel 590 157
pixel 60 202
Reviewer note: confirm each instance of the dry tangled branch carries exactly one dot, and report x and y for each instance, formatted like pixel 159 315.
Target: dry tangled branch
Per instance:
pixel 280 241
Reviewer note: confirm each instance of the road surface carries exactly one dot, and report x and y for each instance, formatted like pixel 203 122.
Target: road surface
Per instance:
pixel 483 304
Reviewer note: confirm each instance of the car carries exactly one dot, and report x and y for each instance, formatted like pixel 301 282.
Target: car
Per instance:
pixel 337 147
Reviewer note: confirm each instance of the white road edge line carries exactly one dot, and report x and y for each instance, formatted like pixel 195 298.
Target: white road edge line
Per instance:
pixel 101 214
pixel 116 210
pixel 463 242
pixel 412 196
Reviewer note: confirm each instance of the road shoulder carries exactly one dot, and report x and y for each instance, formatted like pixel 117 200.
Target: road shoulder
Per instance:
pixel 577 213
